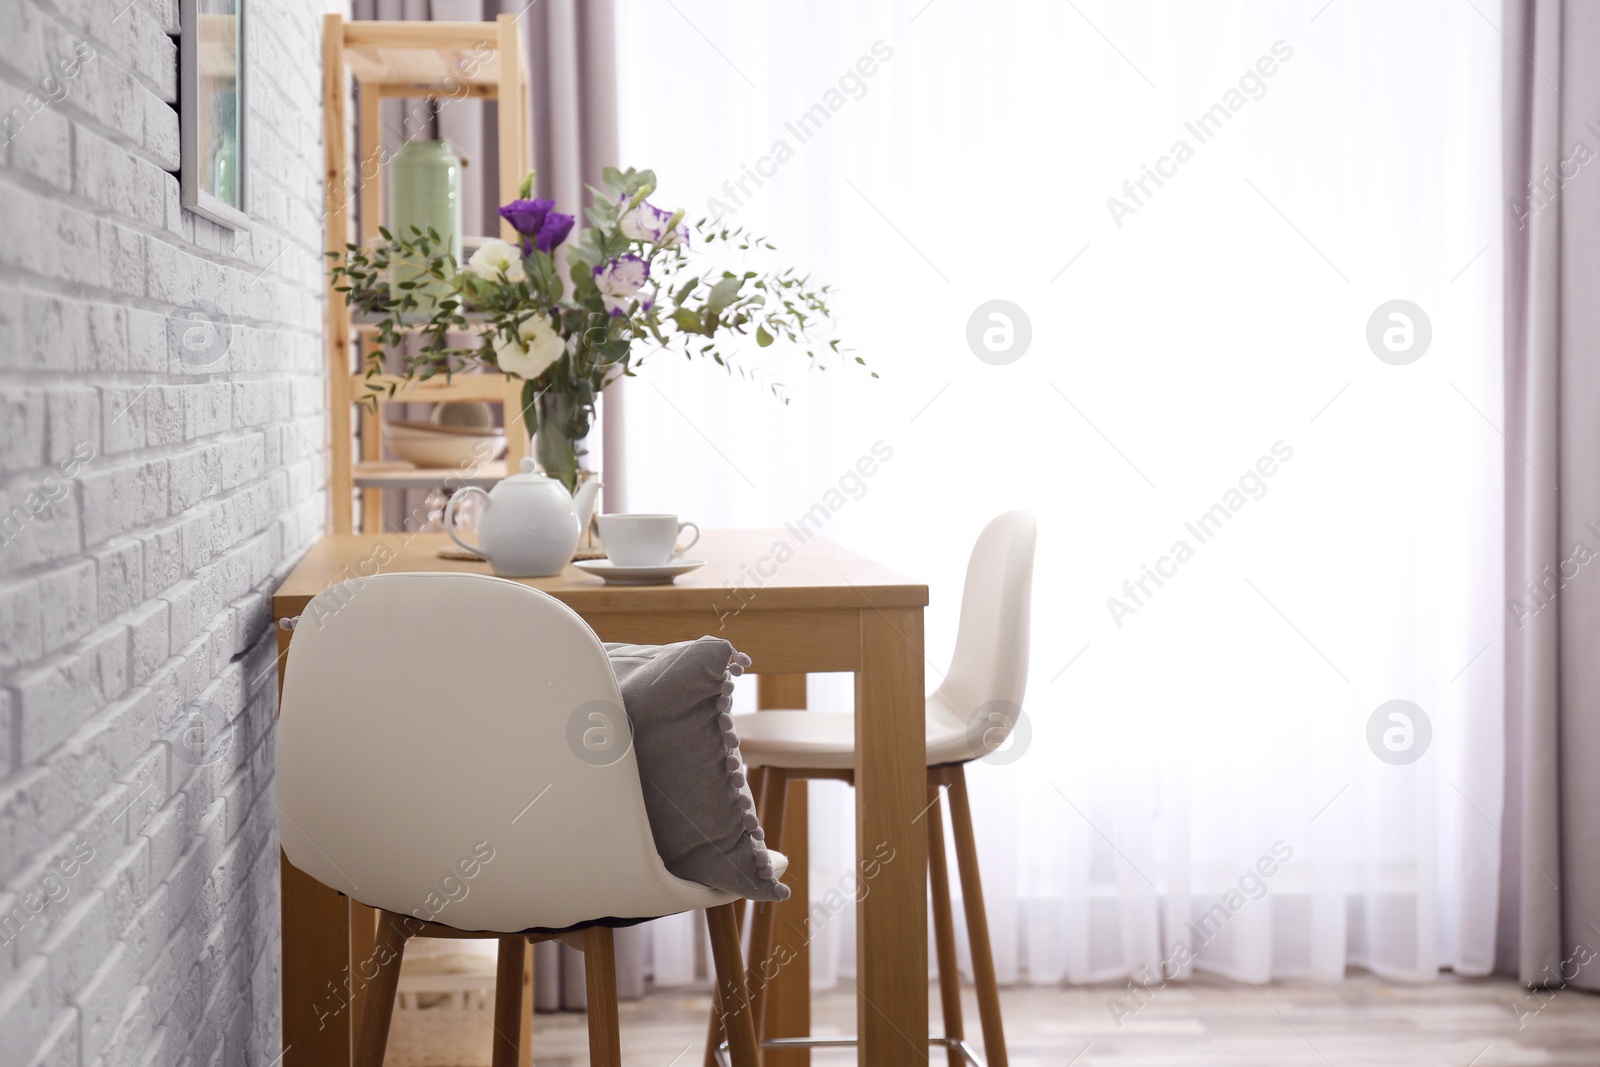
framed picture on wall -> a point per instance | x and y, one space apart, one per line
211 98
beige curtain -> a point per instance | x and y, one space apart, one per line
1550 876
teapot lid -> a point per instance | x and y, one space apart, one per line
530 475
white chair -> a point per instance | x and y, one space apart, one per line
429 721
969 716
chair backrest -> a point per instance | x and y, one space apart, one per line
454 747
988 675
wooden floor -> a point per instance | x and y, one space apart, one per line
1364 1021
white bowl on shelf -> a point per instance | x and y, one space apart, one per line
442 449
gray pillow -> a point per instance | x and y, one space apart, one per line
701 812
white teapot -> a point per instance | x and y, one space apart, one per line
528 523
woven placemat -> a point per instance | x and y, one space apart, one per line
451 552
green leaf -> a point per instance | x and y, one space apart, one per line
634 180
723 294
763 338
683 293
687 321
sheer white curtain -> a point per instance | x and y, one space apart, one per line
1205 743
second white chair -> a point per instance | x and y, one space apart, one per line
969 716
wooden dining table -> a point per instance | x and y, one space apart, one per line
796 604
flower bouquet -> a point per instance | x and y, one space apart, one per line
631 282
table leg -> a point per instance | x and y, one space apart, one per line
891 844
788 996
318 1010
318 1016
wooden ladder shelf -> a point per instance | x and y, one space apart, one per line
452 60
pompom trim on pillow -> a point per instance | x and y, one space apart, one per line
744 801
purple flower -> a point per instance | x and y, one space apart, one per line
527 216
553 231
541 226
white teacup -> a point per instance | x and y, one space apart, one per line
644 540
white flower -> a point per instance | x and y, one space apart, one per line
623 276
494 259
619 279
618 305
649 223
540 347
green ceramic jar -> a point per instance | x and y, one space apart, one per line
424 191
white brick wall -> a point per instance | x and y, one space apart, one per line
148 505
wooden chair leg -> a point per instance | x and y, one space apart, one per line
714 1034
944 927
526 1013
770 786
507 1047
389 948
994 1038
363 941
713 1028
734 996
763 924
600 981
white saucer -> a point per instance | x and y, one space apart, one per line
616 575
